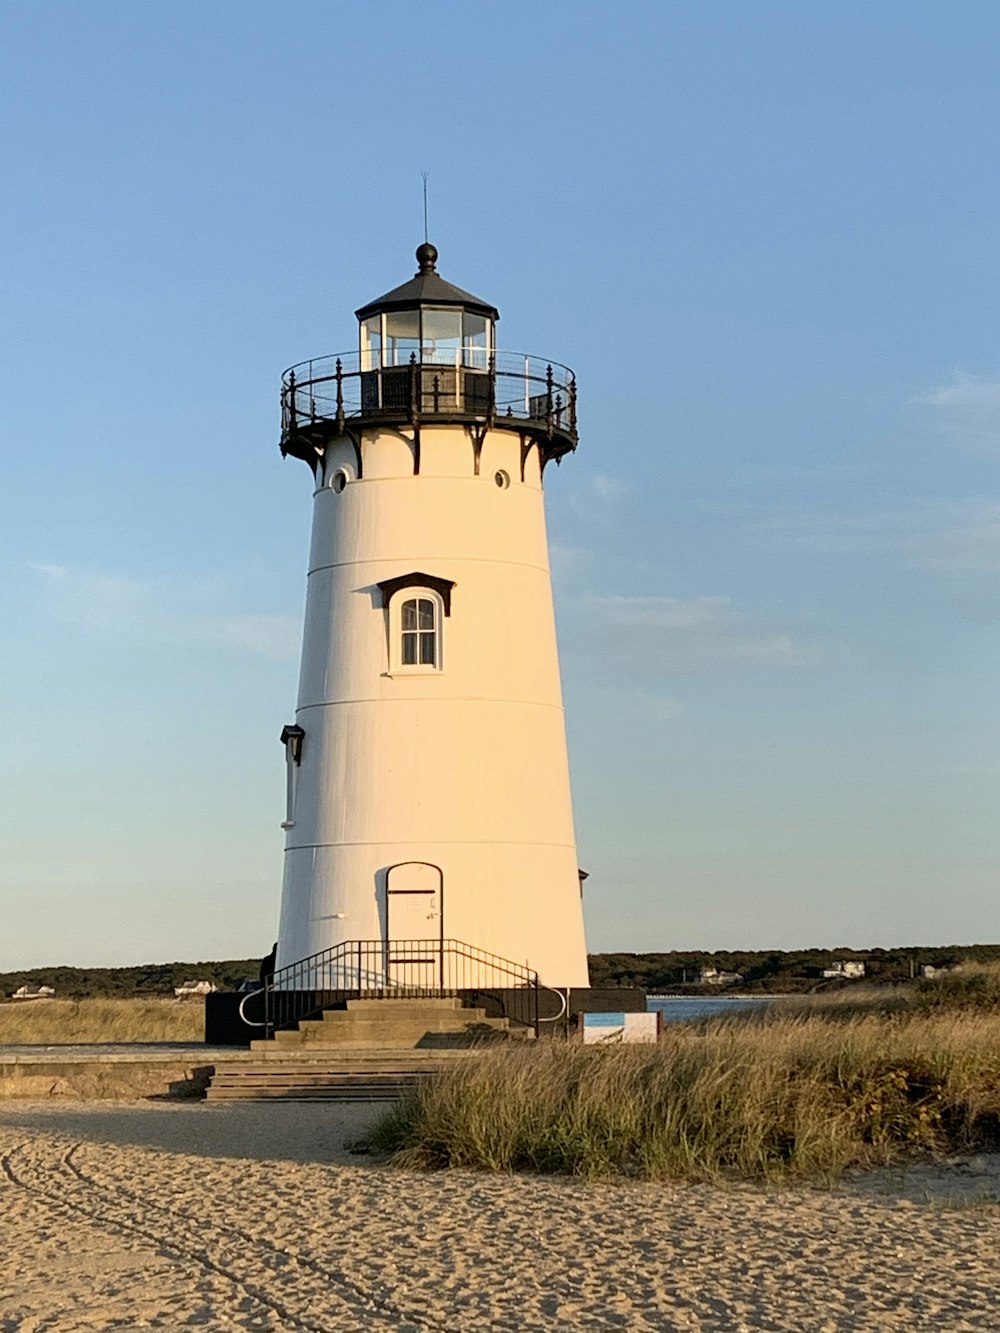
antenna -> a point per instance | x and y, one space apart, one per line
425 174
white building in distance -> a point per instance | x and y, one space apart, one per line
189 990
847 970
32 990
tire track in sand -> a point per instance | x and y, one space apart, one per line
53 1178
354 1294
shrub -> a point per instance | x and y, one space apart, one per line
796 1096
971 986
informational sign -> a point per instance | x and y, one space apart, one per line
618 1029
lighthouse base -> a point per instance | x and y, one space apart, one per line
224 1025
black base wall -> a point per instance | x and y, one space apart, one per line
224 1027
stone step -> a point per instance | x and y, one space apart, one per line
326 1070
337 1065
403 1014
334 1080
392 1024
442 1003
330 1081
331 1093
414 1041
332 1032
389 1037
315 1057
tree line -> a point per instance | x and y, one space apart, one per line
146 979
775 970
677 971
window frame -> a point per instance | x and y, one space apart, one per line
397 630
408 588
420 633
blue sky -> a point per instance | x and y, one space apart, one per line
765 237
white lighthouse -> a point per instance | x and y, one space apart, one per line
428 795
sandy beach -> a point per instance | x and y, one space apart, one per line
250 1217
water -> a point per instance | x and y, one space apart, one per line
683 1008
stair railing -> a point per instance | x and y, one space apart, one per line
395 969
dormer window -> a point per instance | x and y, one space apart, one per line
415 631
417 605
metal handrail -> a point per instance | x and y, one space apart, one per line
563 1005
333 391
372 969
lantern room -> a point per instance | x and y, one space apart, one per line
427 353
426 339
427 320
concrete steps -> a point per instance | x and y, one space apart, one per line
373 1050
358 1076
392 1025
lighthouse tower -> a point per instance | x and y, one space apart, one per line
428 794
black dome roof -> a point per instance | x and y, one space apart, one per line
427 287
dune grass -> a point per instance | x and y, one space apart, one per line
972 986
765 1096
53 1022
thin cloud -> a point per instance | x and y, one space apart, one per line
598 497
565 562
665 710
164 611
665 635
955 537
276 637
967 412
609 488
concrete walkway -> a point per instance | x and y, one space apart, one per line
145 1052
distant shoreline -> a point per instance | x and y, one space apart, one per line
729 995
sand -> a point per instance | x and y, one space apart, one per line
226 1217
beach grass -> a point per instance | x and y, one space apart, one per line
55 1022
765 1096
971 986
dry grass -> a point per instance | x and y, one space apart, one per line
54 1022
972 986
763 1097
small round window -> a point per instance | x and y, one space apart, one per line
339 480
502 479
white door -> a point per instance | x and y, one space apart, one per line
414 925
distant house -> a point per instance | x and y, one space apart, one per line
711 976
846 970
192 989
33 991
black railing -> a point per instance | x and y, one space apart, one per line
395 969
326 395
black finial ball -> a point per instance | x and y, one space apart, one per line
427 257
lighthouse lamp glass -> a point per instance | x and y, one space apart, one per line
435 336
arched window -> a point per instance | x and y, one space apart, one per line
419 632
417 605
